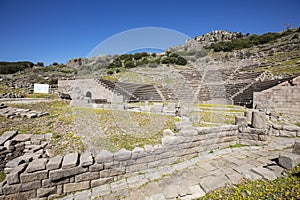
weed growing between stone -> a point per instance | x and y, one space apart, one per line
281 188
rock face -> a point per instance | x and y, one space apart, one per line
218 35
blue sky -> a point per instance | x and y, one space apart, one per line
58 30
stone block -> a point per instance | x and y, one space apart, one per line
138 167
72 187
156 108
168 132
210 183
111 165
45 192
258 120
136 181
21 195
13 176
35 176
101 191
289 160
122 155
112 172
83 195
30 186
104 157
54 163
248 115
241 121
188 132
296 148
291 128
70 160
101 181
169 140
86 159
138 152
49 183
7 135
196 191
65 173
22 137
119 185
182 125
147 159
11 189
264 172
96 167
37 165
87 176
285 133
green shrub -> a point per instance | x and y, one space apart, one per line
246 42
13 67
137 56
181 61
201 53
110 72
129 64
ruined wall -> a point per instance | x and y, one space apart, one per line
78 89
38 176
283 98
50 177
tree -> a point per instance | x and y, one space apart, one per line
40 64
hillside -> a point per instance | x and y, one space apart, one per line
228 58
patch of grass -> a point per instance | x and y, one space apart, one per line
2 176
297 124
280 188
122 129
236 146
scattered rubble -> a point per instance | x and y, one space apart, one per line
10 112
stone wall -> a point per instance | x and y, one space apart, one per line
283 98
36 175
78 89
50 177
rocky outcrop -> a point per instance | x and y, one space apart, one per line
218 36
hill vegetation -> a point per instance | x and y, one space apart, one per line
13 67
139 59
250 41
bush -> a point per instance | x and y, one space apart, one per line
181 61
201 53
129 64
137 56
110 72
153 65
13 67
246 42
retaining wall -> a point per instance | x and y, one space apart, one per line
38 176
283 98
50 177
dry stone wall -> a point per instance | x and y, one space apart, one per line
35 175
50 177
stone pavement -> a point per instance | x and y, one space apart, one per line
193 178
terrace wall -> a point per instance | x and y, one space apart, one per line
283 98
46 178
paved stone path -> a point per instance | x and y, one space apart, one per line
193 178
